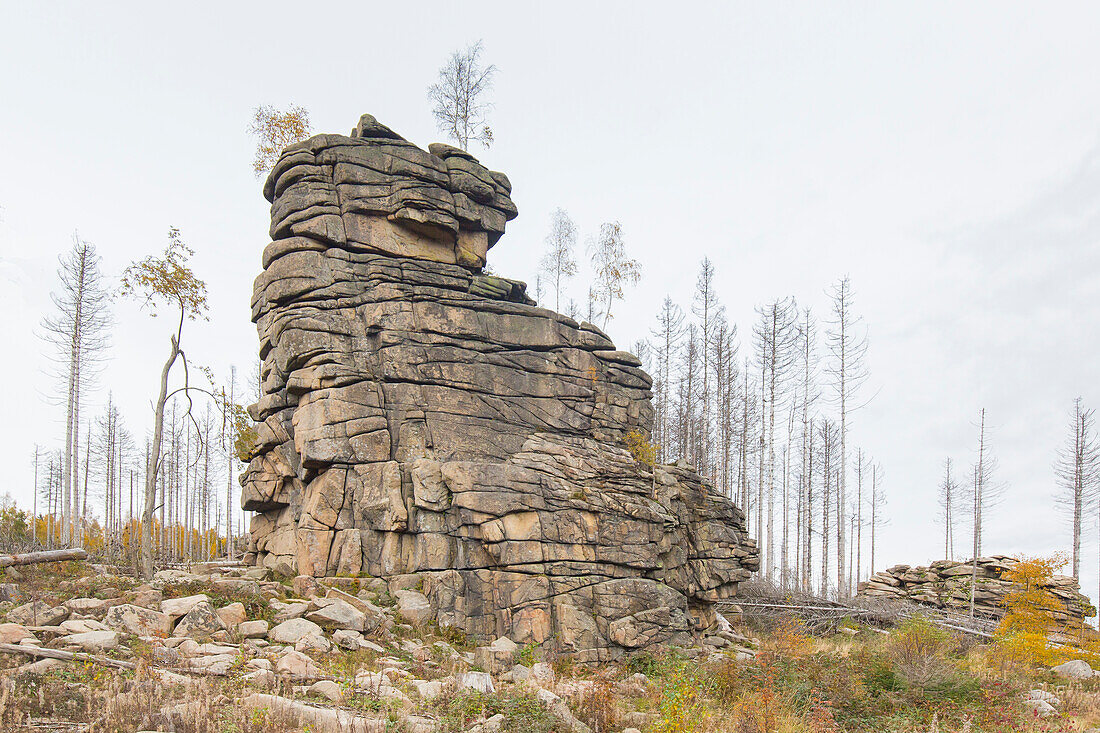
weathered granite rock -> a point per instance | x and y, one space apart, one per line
946 584
421 417
138 621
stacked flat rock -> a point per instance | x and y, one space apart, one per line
423 420
946 584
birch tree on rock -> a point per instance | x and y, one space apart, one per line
275 130
847 341
460 98
613 268
165 281
559 263
1078 472
77 333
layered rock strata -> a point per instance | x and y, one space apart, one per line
946 584
419 416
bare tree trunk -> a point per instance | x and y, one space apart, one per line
979 487
154 467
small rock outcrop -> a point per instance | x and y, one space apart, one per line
946 584
422 418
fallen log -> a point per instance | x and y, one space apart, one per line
36 651
30 558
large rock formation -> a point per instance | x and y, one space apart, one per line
946 584
420 416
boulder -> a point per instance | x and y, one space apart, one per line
498 657
201 622
37 613
252 629
338 614
313 643
1075 669
326 689
138 621
289 632
91 641
297 665
232 614
346 639
87 606
414 607
177 608
14 633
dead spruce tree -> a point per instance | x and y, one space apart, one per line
559 262
706 308
847 342
725 367
878 504
666 347
1078 470
775 340
948 500
77 333
807 393
459 96
169 281
985 493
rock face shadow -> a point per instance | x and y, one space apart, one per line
425 422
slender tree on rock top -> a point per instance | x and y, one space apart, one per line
559 263
985 493
274 130
949 506
460 98
613 268
167 280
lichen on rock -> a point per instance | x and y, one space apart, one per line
419 416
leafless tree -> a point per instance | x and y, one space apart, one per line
828 449
949 499
1078 470
612 267
559 262
77 333
706 308
775 339
857 521
686 425
460 98
878 504
847 342
985 493
725 364
806 398
666 346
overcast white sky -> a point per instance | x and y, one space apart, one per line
944 155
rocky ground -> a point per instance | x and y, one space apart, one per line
220 648
229 645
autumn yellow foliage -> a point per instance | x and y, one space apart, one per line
1023 635
643 450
